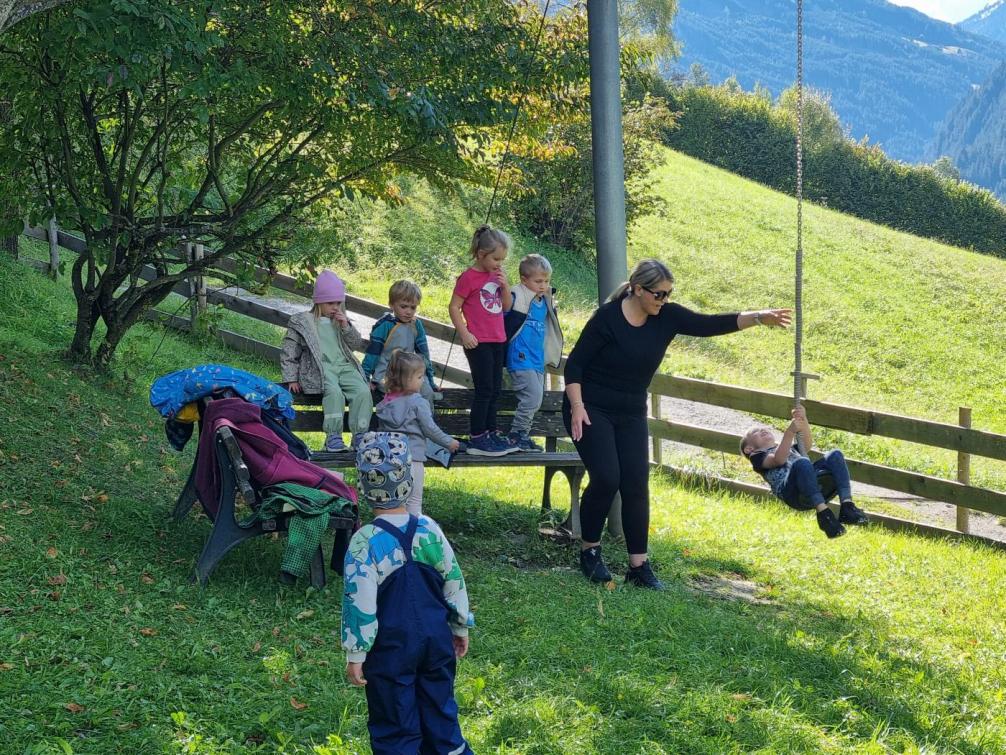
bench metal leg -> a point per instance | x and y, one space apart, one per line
318 570
339 547
546 496
225 533
575 478
187 497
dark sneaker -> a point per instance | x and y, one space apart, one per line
592 565
643 576
334 443
829 525
486 444
849 513
505 442
524 443
355 443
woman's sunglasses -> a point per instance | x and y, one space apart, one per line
657 295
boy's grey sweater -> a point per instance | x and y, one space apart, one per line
411 414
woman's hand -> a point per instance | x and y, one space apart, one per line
354 674
293 387
577 420
779 318
460 646
468 340
454 446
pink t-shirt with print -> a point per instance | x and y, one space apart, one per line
482 305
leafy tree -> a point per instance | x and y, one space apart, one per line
944 167
821 125
142 123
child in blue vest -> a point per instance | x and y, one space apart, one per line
535 340
405 614
399 329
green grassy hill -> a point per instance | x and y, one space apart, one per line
892 322
874 643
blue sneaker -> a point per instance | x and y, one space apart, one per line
524 443
486 444
334 443
506 442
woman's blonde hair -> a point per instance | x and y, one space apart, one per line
646 273
403 365
488 239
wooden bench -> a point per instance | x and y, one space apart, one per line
235 481
452 415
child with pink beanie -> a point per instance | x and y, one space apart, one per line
317 357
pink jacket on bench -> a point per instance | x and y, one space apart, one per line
268 459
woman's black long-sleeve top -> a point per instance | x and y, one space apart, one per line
614 361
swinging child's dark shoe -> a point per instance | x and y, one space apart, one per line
849 513
829 525
592 565
643 576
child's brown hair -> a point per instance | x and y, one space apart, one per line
404 290
402 366
487 239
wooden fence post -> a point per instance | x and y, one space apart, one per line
200 280
190 253
53 248
964 471
658 451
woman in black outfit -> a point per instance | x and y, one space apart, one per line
607 375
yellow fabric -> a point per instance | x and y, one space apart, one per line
188 413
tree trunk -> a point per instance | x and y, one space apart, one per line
9 245
87 318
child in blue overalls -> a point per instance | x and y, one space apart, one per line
405 614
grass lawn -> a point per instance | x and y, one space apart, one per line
874 643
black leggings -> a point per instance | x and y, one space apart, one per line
615 450
486 363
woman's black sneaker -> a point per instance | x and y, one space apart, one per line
849 513
643 576
592 565
829 525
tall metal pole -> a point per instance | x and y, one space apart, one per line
606 145
609 166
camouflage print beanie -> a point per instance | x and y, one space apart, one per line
385 469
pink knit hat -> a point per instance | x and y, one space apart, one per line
329 287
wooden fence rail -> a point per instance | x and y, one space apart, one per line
961 438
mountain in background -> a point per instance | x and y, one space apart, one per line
892 72
974 135
990 21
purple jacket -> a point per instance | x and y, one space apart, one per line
266 454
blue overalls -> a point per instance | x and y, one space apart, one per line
410 669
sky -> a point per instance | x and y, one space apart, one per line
945 10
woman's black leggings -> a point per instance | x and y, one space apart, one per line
486 364
615 450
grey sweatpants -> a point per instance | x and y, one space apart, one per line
529 385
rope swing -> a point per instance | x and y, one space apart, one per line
799 377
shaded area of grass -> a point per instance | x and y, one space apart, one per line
873 643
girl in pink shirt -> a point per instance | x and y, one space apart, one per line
481 296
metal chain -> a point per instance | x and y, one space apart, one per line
798 379
506 154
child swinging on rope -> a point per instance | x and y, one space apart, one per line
796 480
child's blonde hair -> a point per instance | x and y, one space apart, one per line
534 263
402 366
646 273
404 290
316 309
487 239
747 437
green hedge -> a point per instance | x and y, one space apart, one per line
749 135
